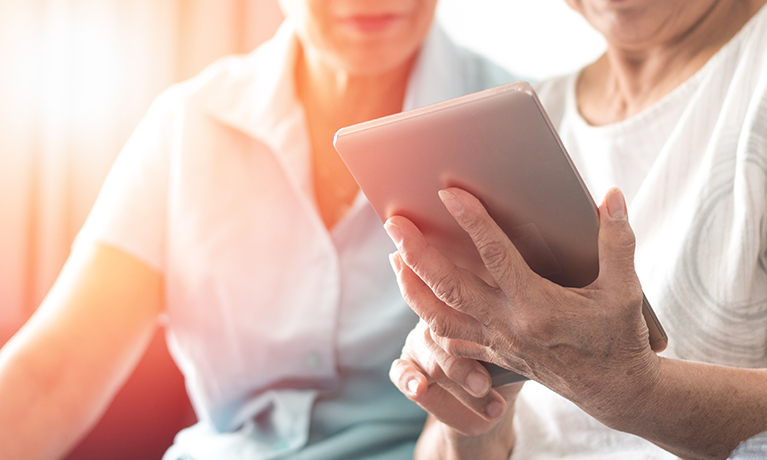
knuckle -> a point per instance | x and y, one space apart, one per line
628 241
627 233
496 255
443 327
395 371
622 239
434 369
474 222
451 367
456 348
447 289
493 252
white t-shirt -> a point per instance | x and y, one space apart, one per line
694 169
284 331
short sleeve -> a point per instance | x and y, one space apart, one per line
131 210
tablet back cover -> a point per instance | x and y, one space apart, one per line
497 144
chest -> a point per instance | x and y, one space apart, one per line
259 290
697 204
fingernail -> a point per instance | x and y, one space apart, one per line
412 386
616 204
395 262
478 383
494 410
394 232
451 202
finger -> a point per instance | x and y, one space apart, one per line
616 243
454 286
441 403
461 348
447 321
422 361
408 378
441 400
500 256
468 373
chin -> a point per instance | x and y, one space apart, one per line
371 60
370 67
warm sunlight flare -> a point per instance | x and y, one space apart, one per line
326 229
80 65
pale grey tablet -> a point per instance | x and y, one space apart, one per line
499 145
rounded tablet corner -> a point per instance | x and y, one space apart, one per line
525 87
335 138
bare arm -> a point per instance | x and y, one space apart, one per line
61 370
589 345
698 410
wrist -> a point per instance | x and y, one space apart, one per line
446 443
634 397
493 445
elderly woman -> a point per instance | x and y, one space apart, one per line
229 215
675 114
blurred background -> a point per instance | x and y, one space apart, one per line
75 78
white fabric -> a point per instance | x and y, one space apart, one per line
284 331
695 170
754 448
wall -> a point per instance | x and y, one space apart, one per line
537 39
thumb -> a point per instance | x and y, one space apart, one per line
616 241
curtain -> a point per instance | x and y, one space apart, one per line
76 76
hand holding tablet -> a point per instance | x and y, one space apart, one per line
499 145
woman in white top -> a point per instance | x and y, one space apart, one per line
675 114
229 215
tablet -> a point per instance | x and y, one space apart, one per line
499 145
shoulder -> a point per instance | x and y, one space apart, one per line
221 80
223 73
224 85
740 70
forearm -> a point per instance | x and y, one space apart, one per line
55 386
698 411
59 372
40 400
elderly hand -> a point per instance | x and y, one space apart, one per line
590 344
456 392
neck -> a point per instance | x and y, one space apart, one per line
626 81
333 98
